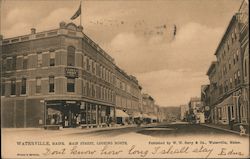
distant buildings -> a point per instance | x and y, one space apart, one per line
184 112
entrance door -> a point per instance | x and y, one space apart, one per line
229 113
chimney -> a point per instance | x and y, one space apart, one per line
33 30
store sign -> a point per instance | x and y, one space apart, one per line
71 72
207 108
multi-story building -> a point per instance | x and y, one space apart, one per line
127 91
213 93
148 105
205 101
194 105
244 41
61 76
229 85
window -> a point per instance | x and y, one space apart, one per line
70 85
71 56
229 64
39 59
88 65
93 90
231 82
83 87
234 58
245 70
238 76
235 78
9 63
13 87
228 43
237 55
93 67
14 63
38 84
52 59
25 62
23 86
88 89
51 84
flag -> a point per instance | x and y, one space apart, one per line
77 13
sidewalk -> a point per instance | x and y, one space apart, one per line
226 128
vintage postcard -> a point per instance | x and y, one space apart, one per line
124 78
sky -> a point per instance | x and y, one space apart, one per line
139 35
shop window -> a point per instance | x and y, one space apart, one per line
70 85
23 86
25 62
71 56
51 84
13 87
232 112
38 84
39 59
52 59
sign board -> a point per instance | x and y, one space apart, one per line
71 72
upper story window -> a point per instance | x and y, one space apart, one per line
52 59
229 64
14 63
234 58
71 56
25 62
237 55
39 59
13 87
9 63
87 63
51 84
93 67
245 69
70 85
23 86
38 84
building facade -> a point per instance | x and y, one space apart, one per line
61 76
229 75
184 112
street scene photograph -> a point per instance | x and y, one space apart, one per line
124 79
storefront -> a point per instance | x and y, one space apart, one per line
70 113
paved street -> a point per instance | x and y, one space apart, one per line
162 130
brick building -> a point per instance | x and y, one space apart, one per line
61 76
229 85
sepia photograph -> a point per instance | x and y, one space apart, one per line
124 79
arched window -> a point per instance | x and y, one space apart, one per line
71 56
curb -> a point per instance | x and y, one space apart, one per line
231 131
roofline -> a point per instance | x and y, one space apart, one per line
233 19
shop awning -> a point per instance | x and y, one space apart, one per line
145 116
153 117
137 115
120 113
225 102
